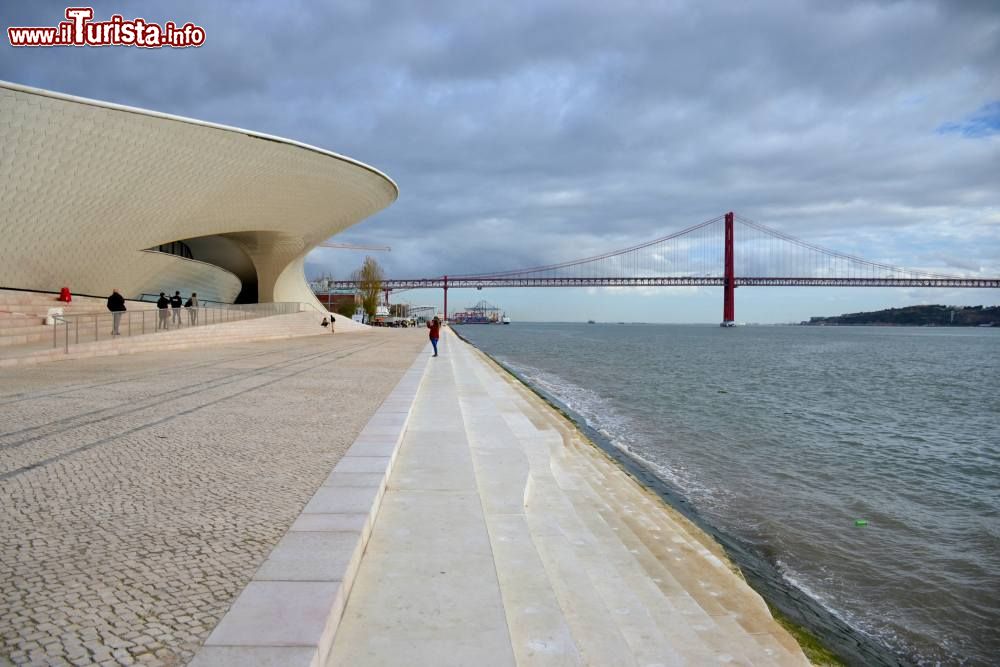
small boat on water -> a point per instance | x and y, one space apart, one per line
591 322
505 319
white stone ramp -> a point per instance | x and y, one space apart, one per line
505 539
427 590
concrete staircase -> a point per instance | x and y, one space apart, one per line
620 573
501 508
22 314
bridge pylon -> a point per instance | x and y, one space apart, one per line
729 286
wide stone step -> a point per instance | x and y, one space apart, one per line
677 561
634 520
666 599
41 302
554 614
539 632
599 640
17 320
686 600
640 614
702 573
14 339
649 626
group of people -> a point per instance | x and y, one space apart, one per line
165 306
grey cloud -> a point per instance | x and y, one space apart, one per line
528 132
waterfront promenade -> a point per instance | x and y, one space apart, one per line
150 502
504 538
140 493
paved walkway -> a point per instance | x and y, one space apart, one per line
139 494
504 539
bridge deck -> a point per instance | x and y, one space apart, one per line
673 281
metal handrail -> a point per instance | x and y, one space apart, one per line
93 327
56 321
316 308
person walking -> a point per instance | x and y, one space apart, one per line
116 304
175 306
192 306
435 333
162 313
333 321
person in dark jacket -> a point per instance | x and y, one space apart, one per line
116 304
435 333
162 304
175 305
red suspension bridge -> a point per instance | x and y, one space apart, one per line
728 251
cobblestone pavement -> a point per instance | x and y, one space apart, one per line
139 494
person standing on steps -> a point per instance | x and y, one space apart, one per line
435 333
161 310
116 304
175 305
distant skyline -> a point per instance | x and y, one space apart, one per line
524 133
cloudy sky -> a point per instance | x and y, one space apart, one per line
523 133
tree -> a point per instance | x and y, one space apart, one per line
346 308
369 278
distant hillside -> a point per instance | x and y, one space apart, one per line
939 316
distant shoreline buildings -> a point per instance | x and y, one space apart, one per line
931 316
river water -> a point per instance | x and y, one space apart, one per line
779 439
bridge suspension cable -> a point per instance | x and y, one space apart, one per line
632 263
752 254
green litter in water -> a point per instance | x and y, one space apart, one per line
861 522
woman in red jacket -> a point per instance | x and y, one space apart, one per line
435 327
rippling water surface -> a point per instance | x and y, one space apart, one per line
782 437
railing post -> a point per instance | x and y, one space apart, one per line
95 328
76 328
66 337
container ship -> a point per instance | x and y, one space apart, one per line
481 313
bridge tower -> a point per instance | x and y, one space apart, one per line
728 299
446 298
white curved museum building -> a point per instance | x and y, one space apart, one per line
96 196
